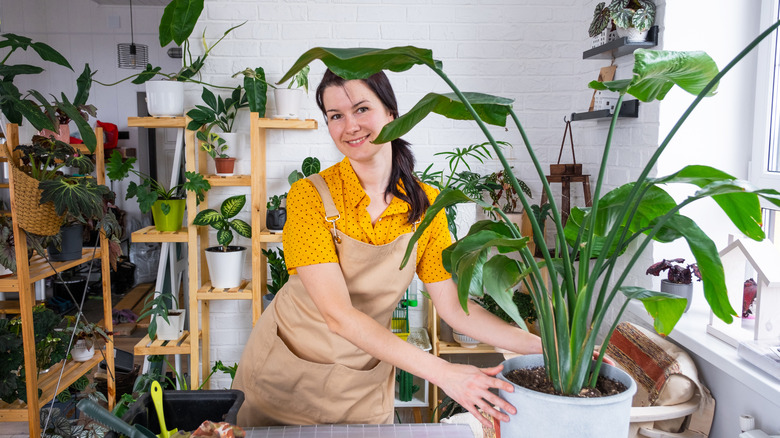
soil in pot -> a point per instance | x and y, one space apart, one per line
536 379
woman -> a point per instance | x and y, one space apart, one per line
322 352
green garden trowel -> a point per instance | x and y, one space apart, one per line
103 416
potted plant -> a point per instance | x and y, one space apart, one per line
214 145
467 181
167 206
679 280
588 273
225 262
309 166
66 202
166 320
276 214
84 334
279 274
632 18
288 100
256 89
32 106
165 98
219 113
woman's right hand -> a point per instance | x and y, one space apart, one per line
470 387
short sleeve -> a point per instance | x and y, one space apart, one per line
429 266
306 238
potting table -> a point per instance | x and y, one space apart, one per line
422 430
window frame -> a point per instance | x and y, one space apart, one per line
767 105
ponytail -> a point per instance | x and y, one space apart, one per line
403 169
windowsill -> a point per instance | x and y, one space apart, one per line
691 334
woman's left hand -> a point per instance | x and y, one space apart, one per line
470 387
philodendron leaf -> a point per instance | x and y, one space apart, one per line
47 53
310 166
178 21
362 62
657 71
491 109
118 167
666 309
232 206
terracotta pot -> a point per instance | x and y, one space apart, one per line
224 166
62 135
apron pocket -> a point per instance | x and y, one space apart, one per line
367 394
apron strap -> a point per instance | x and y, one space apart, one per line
331 212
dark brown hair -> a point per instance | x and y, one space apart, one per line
403 159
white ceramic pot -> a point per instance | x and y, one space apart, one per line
80 352
681 290
633 35
463 340
553 416
225 268
174 328
165 98
288 102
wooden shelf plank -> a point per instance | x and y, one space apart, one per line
40 269
148 347
157 122
151 234
287 123
228 181
267 236
243 292
17 411
455 348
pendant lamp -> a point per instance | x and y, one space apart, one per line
132 55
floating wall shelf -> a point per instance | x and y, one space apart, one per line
621 46
630 108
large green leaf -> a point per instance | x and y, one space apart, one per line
706 254
87 134
224 237
241 228
83 85
256 90
362 62
500 275
178 20
657 71
47 53
491 109
81 197
666 309
9 71
208 216
232 206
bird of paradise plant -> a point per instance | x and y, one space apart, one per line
588 271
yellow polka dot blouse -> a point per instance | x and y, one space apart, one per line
308 240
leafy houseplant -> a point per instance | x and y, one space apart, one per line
590 270
634 17
33 106
165 315
276 215
309 166
216 146
217 112
288 100
225 262
279 274
151 193
679 280
257 88
85 335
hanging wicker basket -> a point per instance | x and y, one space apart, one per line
33 217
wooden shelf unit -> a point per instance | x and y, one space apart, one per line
200 290
23 283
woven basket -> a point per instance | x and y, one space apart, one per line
33 217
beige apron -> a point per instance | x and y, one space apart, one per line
294 370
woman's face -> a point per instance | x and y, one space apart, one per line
355 117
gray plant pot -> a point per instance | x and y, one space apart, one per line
681 290
552 416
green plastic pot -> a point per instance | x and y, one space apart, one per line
172 220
